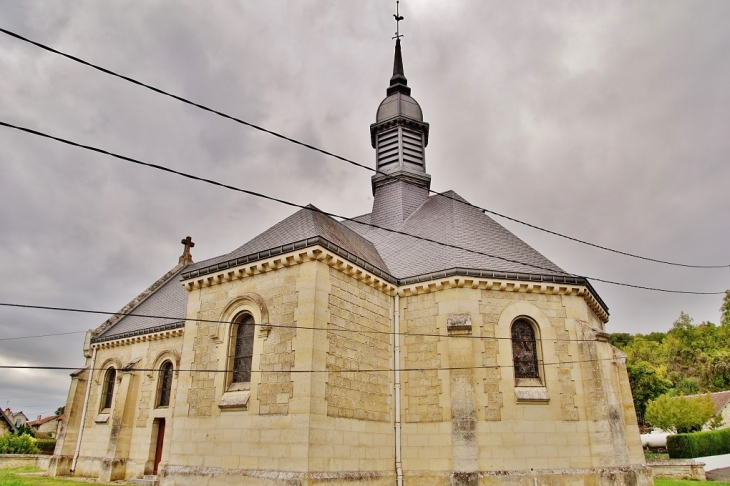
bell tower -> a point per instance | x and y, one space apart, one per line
399 134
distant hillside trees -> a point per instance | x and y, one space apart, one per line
687 360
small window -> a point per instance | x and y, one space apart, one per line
242 334
164 385
524 350
108 393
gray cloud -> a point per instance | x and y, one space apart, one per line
605 121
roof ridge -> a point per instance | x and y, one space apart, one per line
403 223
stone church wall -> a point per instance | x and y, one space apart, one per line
581 417
359 339
295 420
117 444
319 407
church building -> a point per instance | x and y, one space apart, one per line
419 344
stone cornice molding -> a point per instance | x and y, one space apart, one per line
288 251
416 178
316 253
142 335
398 120
506 285
319 248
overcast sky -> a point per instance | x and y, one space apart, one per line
607 121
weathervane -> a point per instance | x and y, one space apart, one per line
398 18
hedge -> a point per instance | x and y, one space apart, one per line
699 444
46 445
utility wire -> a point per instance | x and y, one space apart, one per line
278 326
361 332
361 370
16 338
334 215
343 159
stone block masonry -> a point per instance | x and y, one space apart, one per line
356 308
422 383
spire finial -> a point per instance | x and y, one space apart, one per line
398 18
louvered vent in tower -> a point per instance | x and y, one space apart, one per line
387 150
412 148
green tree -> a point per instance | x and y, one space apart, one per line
715 370
620 339
725 310
687 385
682 414
646 384
59 411
24 430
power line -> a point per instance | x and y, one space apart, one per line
278 326
282 326
341 158
41 335
360 370
334 215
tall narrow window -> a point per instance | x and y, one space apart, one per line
108 394
242 334
524 350
164 385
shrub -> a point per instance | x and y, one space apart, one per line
699 444
46 445
682 414
18 444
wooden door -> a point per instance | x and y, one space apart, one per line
160 440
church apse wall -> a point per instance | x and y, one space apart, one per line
475 416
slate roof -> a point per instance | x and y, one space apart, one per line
304 224
449 221
440 218
169 300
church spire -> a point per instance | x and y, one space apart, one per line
399 137
398 82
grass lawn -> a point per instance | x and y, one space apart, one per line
676 482
24 477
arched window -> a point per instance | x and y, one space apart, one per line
164 385
108 391
524 350
242 333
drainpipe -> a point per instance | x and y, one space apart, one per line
396 348
83 411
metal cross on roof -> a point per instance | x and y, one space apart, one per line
398 18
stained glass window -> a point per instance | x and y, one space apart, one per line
165 384
243 349
524 350
109 378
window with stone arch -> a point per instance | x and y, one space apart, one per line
525 350
107 394
241 354
164 384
